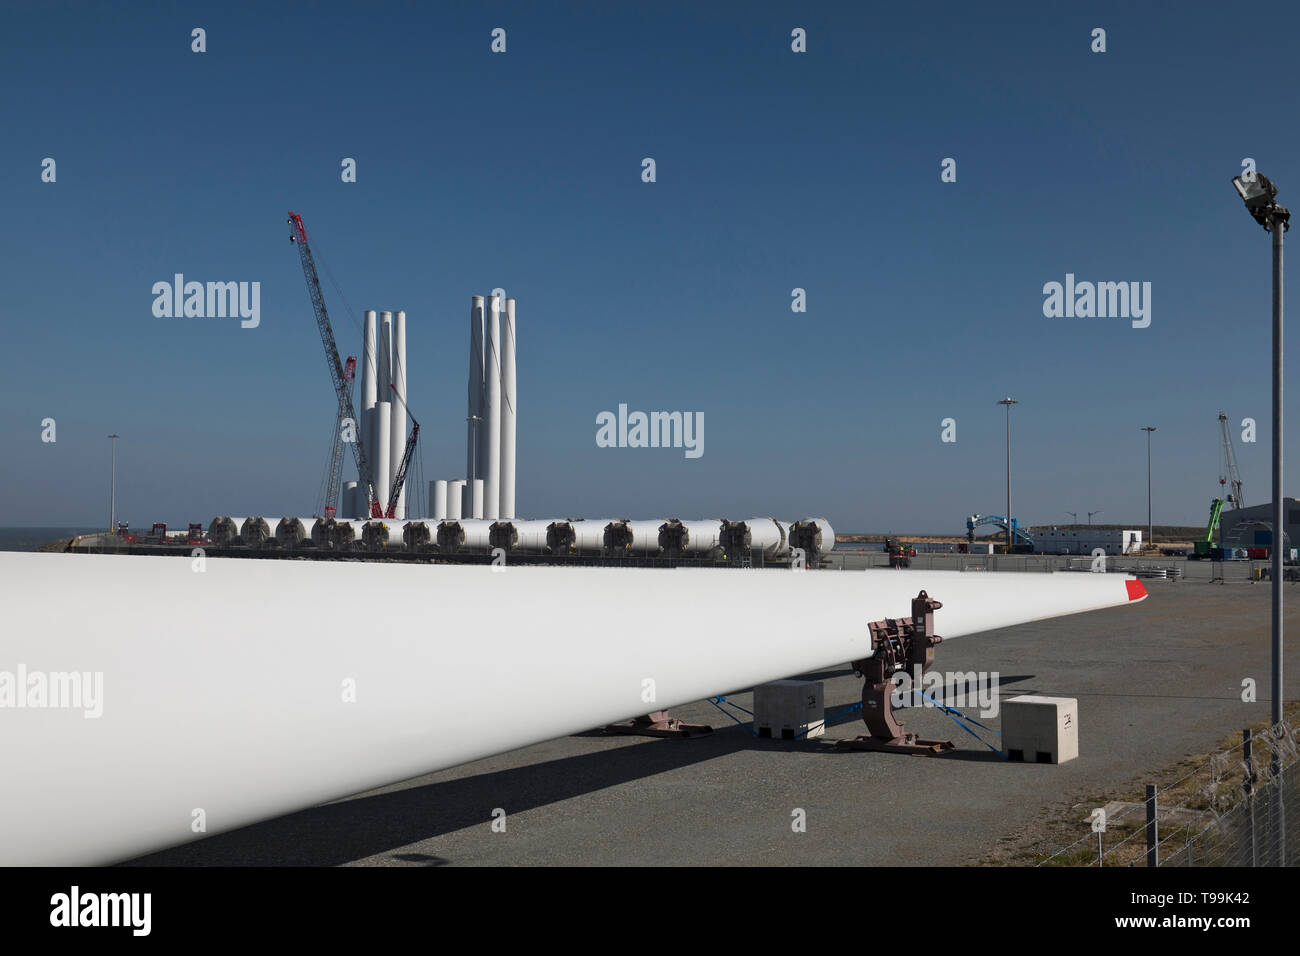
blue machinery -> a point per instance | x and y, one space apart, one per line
975 521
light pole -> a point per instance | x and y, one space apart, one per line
1259 194
1008 402
1150 536
1090 514
112 490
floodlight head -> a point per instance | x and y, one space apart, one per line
1259 194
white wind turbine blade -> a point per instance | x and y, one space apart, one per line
226 691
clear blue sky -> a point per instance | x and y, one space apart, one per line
522 170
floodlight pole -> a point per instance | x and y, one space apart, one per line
1008 402
1150 533
1260 196
1279 535
112 490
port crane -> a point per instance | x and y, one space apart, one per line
342 377
1232 495
1233 481
342 380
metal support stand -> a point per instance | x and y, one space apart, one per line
898 644
659 724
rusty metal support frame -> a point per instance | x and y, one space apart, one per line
897 644
659 724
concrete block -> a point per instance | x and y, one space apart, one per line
788 709
1040 729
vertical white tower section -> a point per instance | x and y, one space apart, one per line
385 358
383 434
508 413
369 388
438 499
383 419
397 442
474 413
492 377
475 493
455 499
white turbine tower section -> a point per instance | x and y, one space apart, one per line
473 500
508 413
382 435
383 420
466 534
492 381
438 499
351 499
293 532
397 442
433 703
369 392
384 358
474 413
455 500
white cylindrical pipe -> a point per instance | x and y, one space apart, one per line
383 435
466 534
223 532
455 499
319 531
420 535
350 506
369 390
476 499
438 499
756 534
397 442
814 535
576 536
696 538
433 703
632 537
492 441
508 404
256 531
383 535
293 532
339 535
474 394
519 537
383 420
372 457
384 358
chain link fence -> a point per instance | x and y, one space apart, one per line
1239 808
1173 568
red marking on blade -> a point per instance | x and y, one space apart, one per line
1136 591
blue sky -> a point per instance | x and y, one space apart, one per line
522 170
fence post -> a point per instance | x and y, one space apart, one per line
1248 785
1153 853
1279 817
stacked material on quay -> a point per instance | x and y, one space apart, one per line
621 537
